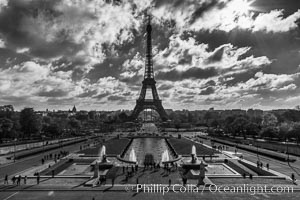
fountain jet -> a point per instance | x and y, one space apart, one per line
165 156
194 154
132 156
102 154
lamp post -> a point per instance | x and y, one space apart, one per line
257 152
287 150
43 144
15 140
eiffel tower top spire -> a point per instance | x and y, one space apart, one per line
149 62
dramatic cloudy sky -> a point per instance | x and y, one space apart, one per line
207 53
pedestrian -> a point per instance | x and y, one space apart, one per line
293 177
268 166
19 179
6 179
25 180
13 179
261 164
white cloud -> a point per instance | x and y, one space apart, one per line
3 3
234 14
274 21
29 78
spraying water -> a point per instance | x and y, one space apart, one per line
102 153
194 151
132 156
165 156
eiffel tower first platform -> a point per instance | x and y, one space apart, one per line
149 83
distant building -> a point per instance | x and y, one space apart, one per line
74 110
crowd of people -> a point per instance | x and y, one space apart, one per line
16 180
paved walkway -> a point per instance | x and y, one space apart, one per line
280 166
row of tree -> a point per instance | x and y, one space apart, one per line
28 124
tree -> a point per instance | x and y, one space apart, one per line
5 127
30 122
239 125
294 132
269 120
207 117
227 124
6 111
215 123
252 128
123 117
269 132
75 124
284 129
52 130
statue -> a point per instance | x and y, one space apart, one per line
96 170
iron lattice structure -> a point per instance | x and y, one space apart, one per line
149 83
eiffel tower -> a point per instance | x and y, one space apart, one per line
149 83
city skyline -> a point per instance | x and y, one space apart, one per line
56 54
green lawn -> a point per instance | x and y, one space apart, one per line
113 147
184 147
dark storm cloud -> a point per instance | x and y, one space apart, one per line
289 6
216 56
127 94
165 87
137 79
206 6
116 98
12 28
10 58
89 93
109 67
15 99
52 93
192 73
282 48
60 101
233 79
186 58
207 91
165 94
201 6
261 41
210 83
101 96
